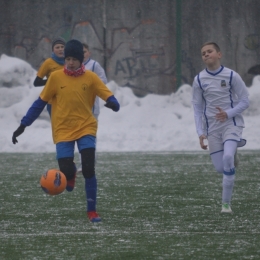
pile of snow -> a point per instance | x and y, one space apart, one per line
151 123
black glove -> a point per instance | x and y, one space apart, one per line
39 82
17 132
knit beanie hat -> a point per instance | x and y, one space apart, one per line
58 40
74 48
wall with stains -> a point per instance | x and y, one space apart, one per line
135 41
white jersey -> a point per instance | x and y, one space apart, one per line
96 68
223 88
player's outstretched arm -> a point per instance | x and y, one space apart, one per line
32 114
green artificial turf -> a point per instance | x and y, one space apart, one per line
152 205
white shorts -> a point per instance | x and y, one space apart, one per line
217 139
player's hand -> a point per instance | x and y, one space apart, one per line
112 103
203 144
17 132
221 115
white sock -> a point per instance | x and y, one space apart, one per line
228 184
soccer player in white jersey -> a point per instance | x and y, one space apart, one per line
95 67
219 96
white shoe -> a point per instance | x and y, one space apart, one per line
226 208
79 170
236 160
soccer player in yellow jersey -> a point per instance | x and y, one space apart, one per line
73 92
56 62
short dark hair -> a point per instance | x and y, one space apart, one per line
85 45
216 47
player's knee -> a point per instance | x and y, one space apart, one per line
219 168
88 162
67 166
228 161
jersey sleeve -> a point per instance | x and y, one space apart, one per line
239 86
240 89
43 70
49 91
198 111
33 112
197 102
101 90
196 92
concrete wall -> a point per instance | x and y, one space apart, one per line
136 40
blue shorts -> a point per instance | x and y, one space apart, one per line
66 149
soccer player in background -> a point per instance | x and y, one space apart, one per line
73 91
219 96
56 62
95 67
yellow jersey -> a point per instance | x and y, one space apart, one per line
48 66
72 102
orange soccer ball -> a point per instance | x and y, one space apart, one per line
53 182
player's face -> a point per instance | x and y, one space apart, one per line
210 56
72 63
86 54
58 50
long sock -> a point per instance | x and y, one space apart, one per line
91 193
228 184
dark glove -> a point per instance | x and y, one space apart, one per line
39 82
17 132
112 103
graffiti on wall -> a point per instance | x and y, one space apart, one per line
134 57
140 62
